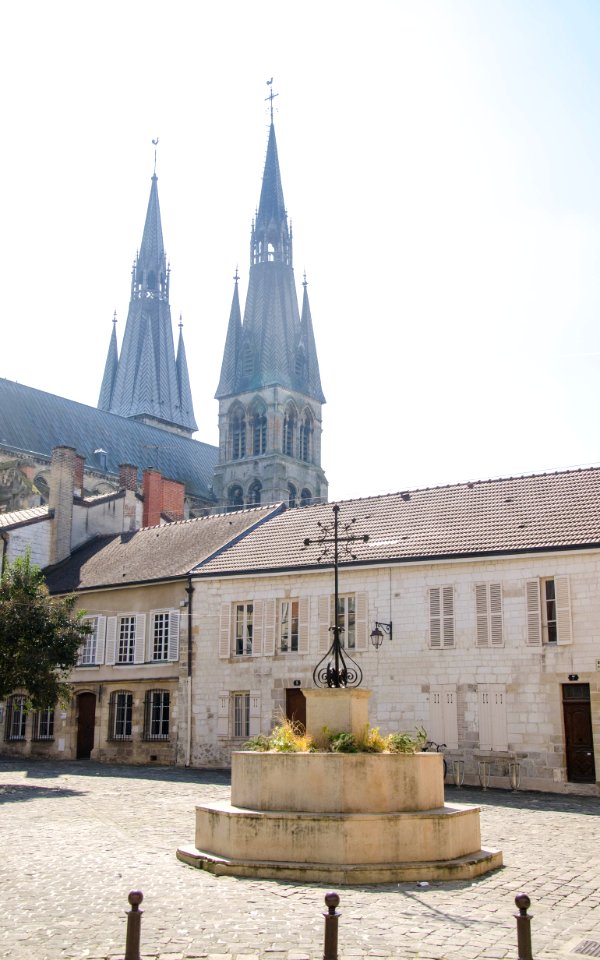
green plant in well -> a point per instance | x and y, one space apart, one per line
406 742
289 736
343 743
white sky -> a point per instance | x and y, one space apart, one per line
440 166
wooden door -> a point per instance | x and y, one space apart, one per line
295 705
86 722
579 743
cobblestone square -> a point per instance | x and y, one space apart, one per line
77 837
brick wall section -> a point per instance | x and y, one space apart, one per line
152 498
62 482
173 499
128 477
78 475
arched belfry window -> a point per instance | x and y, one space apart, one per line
292 495
305 497
289 431
306 433
237 433
255 493
259 430
235 496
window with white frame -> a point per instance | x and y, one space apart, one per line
549 611
16 717
92 649
126 640
238 714
241 714
243 627
157 705
352 620
43 724
441 617
164 635
493 733
289 622
488 611
120 715
346 619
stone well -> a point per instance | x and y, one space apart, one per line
339 818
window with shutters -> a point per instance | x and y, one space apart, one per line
87 652
243 629
352 619
126 640
164 635
346 619
238 714
441 617
43 724
16 717
289 626
488 611
493 733
443 715
120 714
549 611
241 714
157 704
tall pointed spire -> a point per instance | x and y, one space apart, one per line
110 369
307 364
146 383
232 345
183 380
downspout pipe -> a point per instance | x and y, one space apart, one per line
188 747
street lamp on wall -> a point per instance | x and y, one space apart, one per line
377 633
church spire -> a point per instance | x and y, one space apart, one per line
147 381
110 369
232 345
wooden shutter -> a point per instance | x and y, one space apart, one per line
258 614
225 631
534 613
324 634
499 729
450 715
303 624
435 730
448 616
435 625
481 610
223 715
362 618
174 628
139 643
562 592
270 623
485 717
100 638
111 640
496 627
254 713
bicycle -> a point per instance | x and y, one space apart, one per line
438 748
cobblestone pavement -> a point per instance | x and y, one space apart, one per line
77 837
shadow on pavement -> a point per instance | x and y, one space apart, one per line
15 793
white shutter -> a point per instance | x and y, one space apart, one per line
496 631
435 730
435 631
174 627
100 639
139 648
448 615
225 631
499 729
270 622
150 637
324 634
481 611
257 627
303 624
450 714
562 592
485 717
362 618
254 713
534 613
111 640
223 715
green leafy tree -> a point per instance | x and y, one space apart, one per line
40 636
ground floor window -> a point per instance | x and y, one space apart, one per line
43 724
16 717
241 714
120 712
156 714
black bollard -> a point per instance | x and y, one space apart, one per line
134 926
523 927
330 950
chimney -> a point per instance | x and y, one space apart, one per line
152 498
78 475
63 471
128 477
173 497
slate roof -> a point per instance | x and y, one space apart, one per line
153 553
21 518
491 517
33 422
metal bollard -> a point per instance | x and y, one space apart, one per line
523 927
330 950
134 926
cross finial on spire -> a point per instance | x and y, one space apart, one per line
305 281
180 322
237 276
155 142
114 319
271 96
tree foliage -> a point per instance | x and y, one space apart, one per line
40 636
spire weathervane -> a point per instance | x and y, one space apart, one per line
271 96
155 142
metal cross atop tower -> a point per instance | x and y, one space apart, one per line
271 96
333 670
